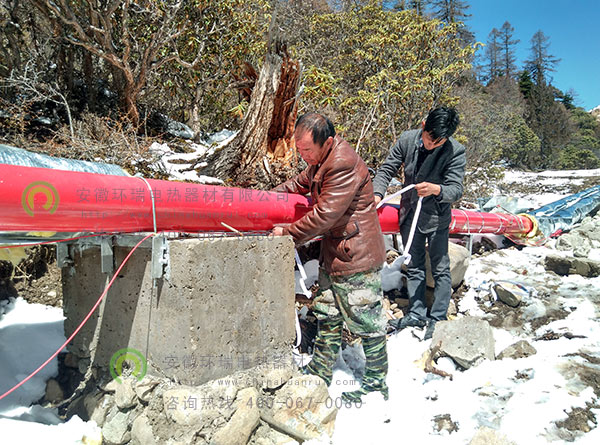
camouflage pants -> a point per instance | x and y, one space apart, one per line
354 299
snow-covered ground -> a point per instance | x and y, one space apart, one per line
29 334
182 166
489 395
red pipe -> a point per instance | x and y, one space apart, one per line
41 199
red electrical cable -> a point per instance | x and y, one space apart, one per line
82 323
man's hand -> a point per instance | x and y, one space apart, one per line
277 231
377 199
427 189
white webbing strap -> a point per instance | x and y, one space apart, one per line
394 195
152 200
405 257
306 292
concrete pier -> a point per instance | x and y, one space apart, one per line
224 305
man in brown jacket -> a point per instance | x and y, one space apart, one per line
352 250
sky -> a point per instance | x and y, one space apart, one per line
574 38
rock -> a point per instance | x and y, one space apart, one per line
71 361
508 293
144 388
557 264
276 438
97 407
568 265
517 350
488 436
83 364
189 407
445 423
125 396
276 376
303 405
141 431
116 429
52 294
459 261
582 250
54 392
580 239
466 340
243 422
452 309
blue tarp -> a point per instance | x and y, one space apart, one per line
567 212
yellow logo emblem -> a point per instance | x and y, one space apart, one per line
44 188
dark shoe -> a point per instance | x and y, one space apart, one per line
410 321
430 329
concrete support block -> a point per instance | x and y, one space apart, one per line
227 305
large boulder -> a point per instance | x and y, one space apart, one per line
520 349
246 418
459 261
569 266
467 340
303 405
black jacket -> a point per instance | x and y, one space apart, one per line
445 166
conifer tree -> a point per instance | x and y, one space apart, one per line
418 5
492 51
507 49
541 62
454 11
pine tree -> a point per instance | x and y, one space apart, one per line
525 84
418 5
453 11
507 48
541 62
492 52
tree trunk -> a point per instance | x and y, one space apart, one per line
130 101
90 81
263 148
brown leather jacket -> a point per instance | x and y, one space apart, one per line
343 211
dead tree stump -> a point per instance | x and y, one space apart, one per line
263 152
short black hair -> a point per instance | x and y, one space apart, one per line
441 123
320 127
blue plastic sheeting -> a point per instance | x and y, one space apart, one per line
18 156
567 212
505 204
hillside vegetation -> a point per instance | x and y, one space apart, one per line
103 79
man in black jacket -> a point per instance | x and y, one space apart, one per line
435 163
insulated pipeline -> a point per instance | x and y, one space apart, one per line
41 199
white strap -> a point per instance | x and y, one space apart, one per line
405 258
303 275
412 231
306 292
392 196
153 203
